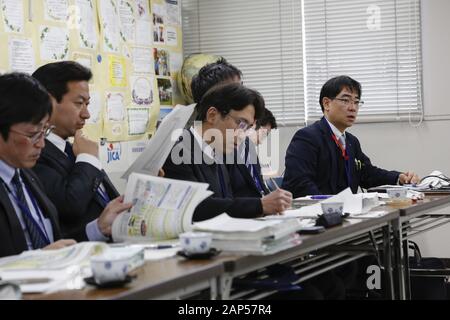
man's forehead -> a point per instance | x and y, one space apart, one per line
346 91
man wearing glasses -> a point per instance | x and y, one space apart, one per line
72 174
325 159
28 219
224 113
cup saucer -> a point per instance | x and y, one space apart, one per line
109 284
206 255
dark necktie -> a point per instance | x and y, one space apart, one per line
252 170
37 238
69 151
223 185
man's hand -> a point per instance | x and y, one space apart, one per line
81 144
276 202
408 177
109 214
60 244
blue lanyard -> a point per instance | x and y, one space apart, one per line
24 208
104 196
255 176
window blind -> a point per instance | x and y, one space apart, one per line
263 38
378 43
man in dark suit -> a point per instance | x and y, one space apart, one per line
72 175
224 113
325 159
245 173
28 219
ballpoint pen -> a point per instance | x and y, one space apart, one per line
320 197
274 183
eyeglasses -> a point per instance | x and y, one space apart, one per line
242 124
38 135
347 102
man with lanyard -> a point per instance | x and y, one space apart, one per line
72 174
224 112
325 159
245 173
28 219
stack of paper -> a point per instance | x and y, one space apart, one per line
354 204
251 236
48 270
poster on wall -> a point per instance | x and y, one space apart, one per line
141 90
172 9
138 119
161 59
56 10
13 15
53 43
127 21
109 18
165 91
21 55
86 24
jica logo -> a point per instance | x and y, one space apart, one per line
114 152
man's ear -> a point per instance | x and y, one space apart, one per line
326 103
212 115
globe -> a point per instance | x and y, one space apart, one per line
191 65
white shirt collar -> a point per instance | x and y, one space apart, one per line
6 172
59 142
206 148
335 130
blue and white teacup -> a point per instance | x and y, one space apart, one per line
195 242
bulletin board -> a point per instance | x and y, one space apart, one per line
133 47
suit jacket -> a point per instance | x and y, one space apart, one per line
72 188
195 168
12 238
241 179
312 163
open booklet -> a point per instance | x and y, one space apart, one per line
161 143
163 208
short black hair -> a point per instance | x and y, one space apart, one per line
332 87
22 99
229 96
266 119
55 76
211 75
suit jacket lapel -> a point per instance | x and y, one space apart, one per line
51 151
112 191
47 208
14 223
351 155
331 145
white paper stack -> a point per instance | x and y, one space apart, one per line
251 236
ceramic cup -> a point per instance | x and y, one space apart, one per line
332 207
195 242
397 193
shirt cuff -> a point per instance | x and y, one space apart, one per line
93 232
89 158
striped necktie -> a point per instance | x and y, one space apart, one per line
34 231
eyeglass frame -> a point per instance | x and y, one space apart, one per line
347 101
43 133
242 124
